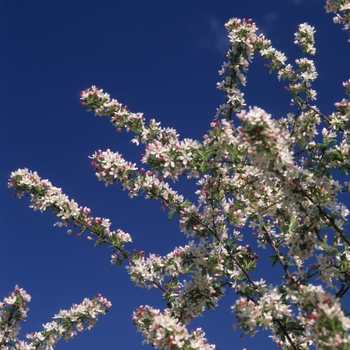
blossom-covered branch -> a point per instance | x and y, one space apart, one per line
67 323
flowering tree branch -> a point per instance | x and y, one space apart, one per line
13 310
274 176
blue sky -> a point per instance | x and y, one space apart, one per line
160 58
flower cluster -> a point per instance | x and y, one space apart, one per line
321 314
165 332
305 38
111 167
342 11
244 43
13 309
266 140
67 322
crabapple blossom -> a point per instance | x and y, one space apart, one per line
342 11
164 332
305 38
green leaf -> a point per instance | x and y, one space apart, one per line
171 214
292 223
284 228
233 152
274 258
203 167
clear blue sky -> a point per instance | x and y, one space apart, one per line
160 58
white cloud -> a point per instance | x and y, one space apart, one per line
267 24
216 38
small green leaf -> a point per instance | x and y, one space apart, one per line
203 167
274 258
171 214
292 223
